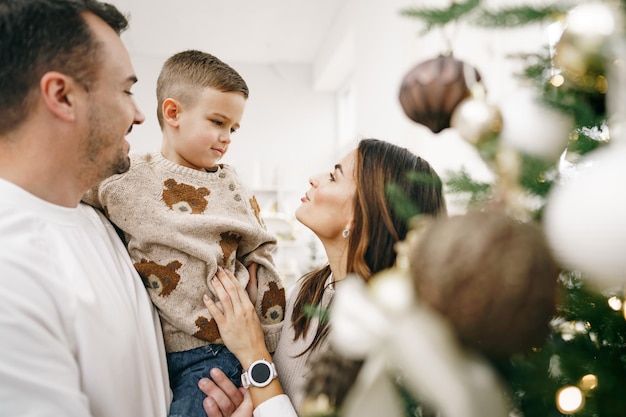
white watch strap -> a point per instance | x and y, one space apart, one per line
259 374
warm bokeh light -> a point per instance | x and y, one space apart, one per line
615 303
557 80
602 84
588 383
570 400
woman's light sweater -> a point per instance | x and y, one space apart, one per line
293 369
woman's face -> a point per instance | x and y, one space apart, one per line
327 208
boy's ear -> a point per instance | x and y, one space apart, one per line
171 111
58 93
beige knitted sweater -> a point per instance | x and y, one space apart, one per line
179 225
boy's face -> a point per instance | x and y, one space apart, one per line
205 128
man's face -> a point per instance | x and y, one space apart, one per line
112 110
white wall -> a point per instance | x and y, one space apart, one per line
379 46
291 127
287 132
301 118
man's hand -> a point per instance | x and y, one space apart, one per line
224 399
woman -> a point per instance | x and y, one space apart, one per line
350 212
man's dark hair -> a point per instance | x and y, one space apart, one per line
37 36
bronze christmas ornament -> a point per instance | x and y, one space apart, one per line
432 90
493 277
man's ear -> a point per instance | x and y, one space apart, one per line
171 110
58 94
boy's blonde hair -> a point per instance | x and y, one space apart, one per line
187 72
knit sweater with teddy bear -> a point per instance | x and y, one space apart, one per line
179 225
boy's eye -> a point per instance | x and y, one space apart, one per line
218 122
233 130
130 93
332 177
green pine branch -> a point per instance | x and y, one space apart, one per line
587 339
433 17
517 16
472 12
462 183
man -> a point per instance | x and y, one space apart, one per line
79 334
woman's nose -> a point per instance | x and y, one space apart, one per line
313 182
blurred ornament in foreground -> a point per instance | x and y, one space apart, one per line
493 277
584 217
583 49
410 345
532 127
431 90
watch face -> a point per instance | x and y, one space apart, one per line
260 372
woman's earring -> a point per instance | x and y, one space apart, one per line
345 233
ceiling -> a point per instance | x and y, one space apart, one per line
247 31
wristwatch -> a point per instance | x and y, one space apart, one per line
259 374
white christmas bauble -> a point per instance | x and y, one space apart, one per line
585 221
532 127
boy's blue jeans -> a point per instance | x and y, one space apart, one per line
188 367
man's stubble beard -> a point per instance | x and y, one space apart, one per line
98 142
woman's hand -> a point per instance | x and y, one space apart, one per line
237 319
224 399
241 332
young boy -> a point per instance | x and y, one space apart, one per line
183 215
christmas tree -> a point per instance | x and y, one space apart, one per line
579 369
557 150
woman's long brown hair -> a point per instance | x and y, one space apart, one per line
377 225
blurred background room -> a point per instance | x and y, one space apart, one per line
322 74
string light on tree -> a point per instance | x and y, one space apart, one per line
615 303
588 383
570 400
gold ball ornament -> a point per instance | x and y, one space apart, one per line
476 120
583 50
431 90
